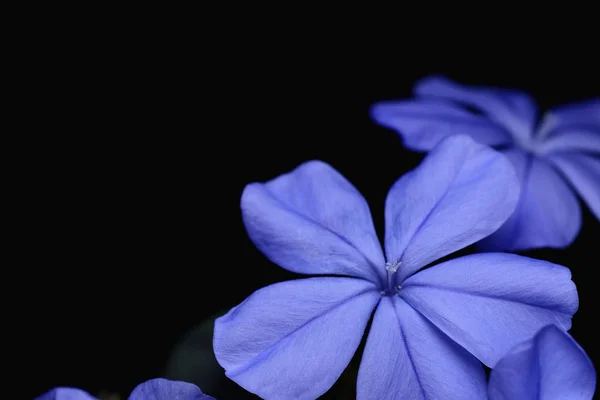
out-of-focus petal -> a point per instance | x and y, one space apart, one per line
293 340
548 213
488 303
423 123
551 366
580 114
406 357
66 393
313 221
584 139
512 109
164 389
583 172
461 192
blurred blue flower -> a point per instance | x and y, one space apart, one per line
154 389
292 340
66 393
561 150
551 366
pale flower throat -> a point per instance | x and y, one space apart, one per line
391 268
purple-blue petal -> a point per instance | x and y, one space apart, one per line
548 213
66 393
292 340
551 366
575 115
488 303
423 123
578 139
512 109
583 172
164 389
461 192
313 221
406 357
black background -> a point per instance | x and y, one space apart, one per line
133 232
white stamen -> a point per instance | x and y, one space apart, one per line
392 266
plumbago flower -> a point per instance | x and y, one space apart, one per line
562 150
154 389
292 340
551 366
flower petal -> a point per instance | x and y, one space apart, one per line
512 109
548 213
551 366
461 192
164 389
490 302
424 123
580 114
313 221
66 393
292 340
584 174
583 139
406 357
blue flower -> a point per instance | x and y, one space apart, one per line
562 149
154 389
292 340
66 393
551 366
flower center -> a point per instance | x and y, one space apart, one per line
531 145
391 289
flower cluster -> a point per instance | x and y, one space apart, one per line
432 328
433 325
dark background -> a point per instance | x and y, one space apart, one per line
133 231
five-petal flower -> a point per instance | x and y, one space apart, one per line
154 389
550 366
292 340
562 150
